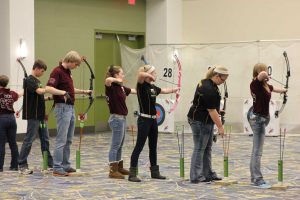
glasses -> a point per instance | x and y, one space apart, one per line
222 79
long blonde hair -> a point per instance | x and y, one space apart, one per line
259 67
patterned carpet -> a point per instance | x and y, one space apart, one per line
96 184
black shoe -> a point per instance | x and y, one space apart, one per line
195 181
206 180
1 170
215 178
70 170
13 169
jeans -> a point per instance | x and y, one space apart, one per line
258 126
8 131
117 123
33 127
201 168
65 119
146 128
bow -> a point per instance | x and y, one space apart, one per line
222 113
19 60
286 86
82 116
91 97
178 84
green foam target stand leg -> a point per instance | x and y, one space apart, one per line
225 166
78 160
45 160
181 167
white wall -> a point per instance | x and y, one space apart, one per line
214 21
17 21
163 21
238 20
4 38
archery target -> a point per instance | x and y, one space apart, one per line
165 119
160 114
272 129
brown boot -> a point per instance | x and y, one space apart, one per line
121 169
113 171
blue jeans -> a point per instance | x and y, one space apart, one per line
8 131
117 123
33 127
201 168
65 119
258 126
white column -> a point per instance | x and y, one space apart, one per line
17 21
163 21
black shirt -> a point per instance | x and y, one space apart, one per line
261 97
146 94
33 103
207 96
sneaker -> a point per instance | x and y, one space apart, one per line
263 186
50 169
25 171
70 170
60 173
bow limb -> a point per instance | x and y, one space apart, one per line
19 60
286 86
178 84
91 97
222 113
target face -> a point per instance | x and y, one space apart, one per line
160 114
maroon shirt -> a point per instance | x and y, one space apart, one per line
115 97
7 99
261 97
61 78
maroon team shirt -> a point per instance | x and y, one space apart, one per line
261 98
61 78
115 97
7 99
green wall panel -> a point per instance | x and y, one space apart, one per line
64 25
107 52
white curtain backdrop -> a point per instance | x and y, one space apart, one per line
239 58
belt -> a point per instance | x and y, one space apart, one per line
118 116
147 116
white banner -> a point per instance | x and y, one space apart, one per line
272 129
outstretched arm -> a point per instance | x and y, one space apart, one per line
169 90
278 90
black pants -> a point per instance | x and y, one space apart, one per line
146 128
8 131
